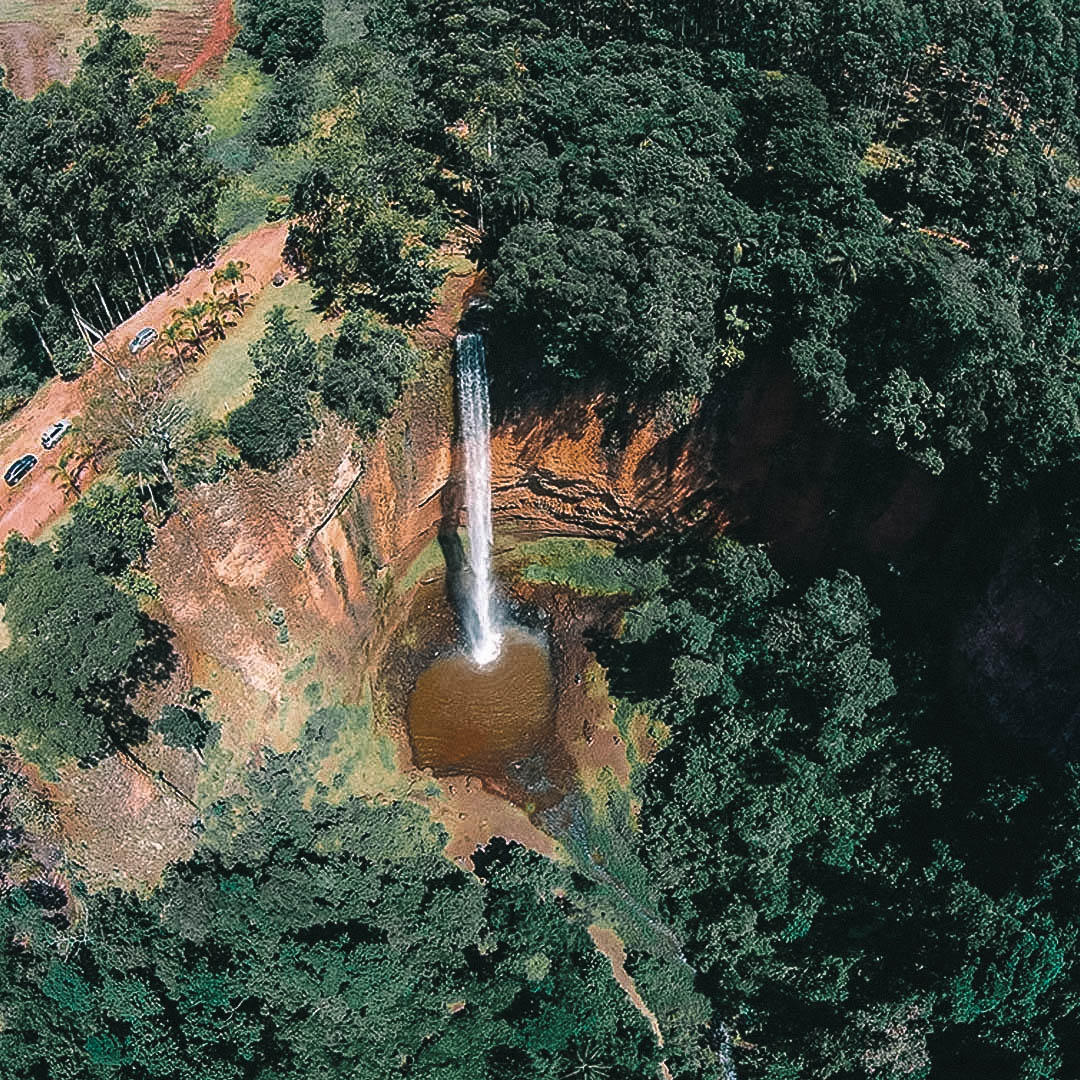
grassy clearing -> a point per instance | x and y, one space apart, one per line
258 176
229 101
222 379
355 761
255 184
5 633
589 567
428 563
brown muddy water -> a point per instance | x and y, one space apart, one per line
496 721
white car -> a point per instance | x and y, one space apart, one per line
51 436
142 339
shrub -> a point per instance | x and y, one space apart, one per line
107 530
270 427
364 375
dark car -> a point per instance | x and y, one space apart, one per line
18 469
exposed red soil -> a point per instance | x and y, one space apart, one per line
329 536
37 501
185 43
216 46
259 540
558 473
30 55
472 815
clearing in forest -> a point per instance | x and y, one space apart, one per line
40 39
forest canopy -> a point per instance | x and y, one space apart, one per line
106 198
885 196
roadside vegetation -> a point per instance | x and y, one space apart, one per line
106 197
79 643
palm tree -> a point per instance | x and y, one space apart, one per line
66 475
234 273
215 309
174 339
193 316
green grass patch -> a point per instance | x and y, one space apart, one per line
589 567
428 563
221 380
230 100
352 759
258 175
258 178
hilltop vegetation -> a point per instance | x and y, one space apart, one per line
884 197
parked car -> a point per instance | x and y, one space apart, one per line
51 436
142 339
18 469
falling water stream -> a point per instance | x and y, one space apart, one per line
489 710
479 616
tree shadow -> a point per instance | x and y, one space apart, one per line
154 663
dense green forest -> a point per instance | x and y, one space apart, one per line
847 862
860 891
106 198
310 944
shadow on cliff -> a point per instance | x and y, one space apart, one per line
453 551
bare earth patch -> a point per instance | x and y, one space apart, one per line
123 824
610 944
40 39
32 58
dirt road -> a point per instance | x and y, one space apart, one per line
36 502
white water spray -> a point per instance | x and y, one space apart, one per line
480 622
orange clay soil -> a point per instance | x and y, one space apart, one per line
31 57
215 47
185 43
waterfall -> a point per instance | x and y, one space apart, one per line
479 616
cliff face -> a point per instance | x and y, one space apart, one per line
320 547
264 576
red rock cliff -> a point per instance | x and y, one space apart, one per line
328 538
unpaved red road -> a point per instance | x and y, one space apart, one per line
35 503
